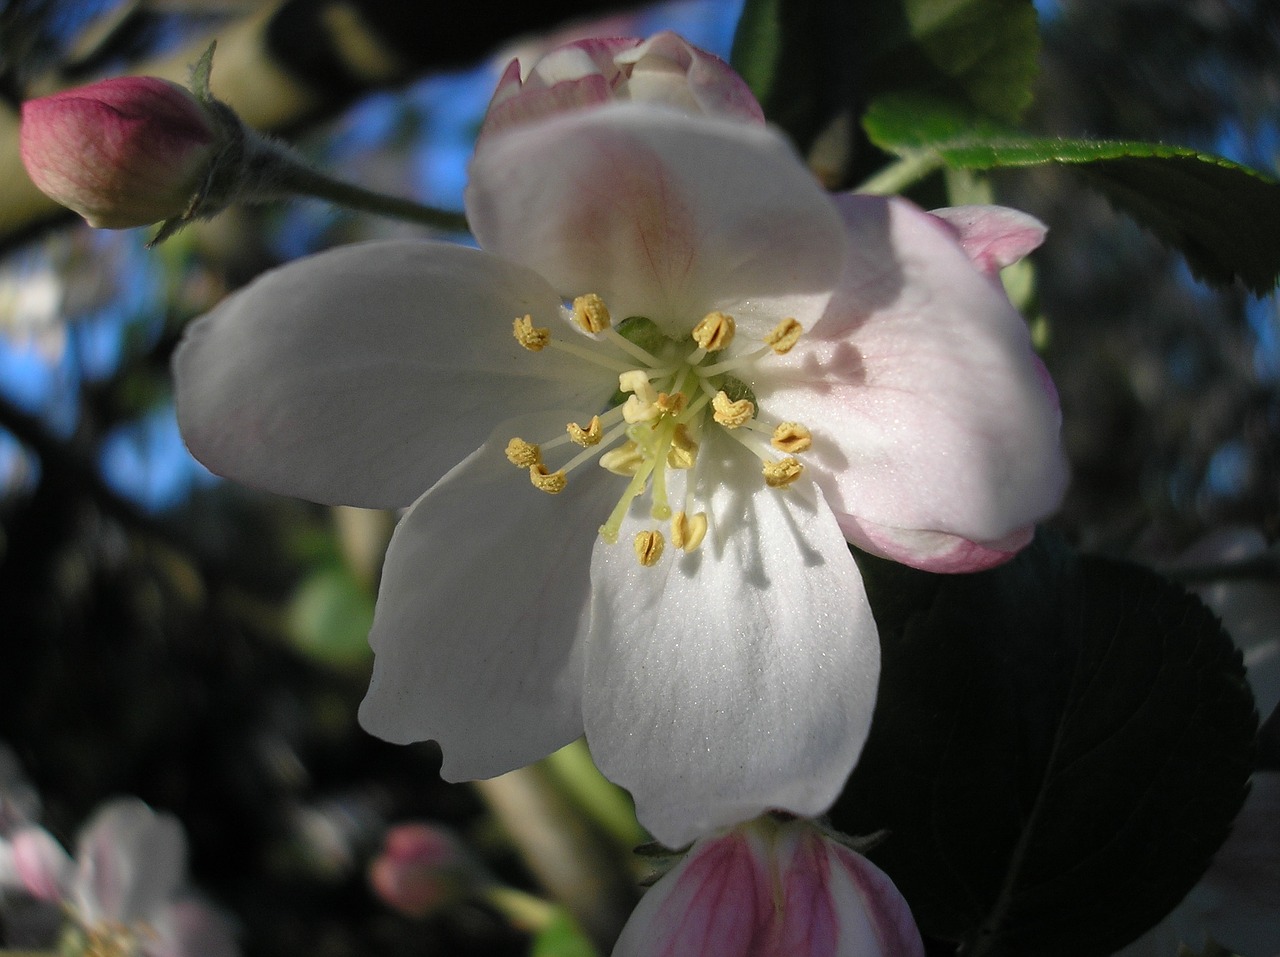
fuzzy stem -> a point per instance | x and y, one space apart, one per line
896 177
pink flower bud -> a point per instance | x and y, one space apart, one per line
771 889
664 70
122 152
422 869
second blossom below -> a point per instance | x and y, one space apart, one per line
636 430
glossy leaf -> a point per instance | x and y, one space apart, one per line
1223 217
1052 736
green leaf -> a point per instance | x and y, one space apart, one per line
562 937
1223 217
330 616
979 53
1058 748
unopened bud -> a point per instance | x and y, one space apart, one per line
422 870
123 152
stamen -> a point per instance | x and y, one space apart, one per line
784 335
714 332
626 459
642 405
791 437
683 451
552 483
648 547
591 355
732 414
523 454
591 314
781 473
688 531
589 436
533 339
671 403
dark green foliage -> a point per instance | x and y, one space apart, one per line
1052 737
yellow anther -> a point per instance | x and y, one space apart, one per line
683 449
550 482
714 332
636 409
791 437
533 339
688 531
589 436
590 312
523 454
784 335
731 414
626 459
637 381
672 403
648 547
781 473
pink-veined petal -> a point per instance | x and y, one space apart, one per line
933 551
993 236
129 862
481 610
875 919
714 903
737 678
928 406
360 375
668 69
662 215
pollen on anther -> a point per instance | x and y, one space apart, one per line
626 459
589 436
648 547
523 454
784 335
532 338
550 482
684 450
671 403
714 332
791 437
688 531
591 314
729 413
781 473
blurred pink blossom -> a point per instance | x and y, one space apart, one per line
421 870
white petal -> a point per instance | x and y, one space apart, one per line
740 677
929 409
360 375
662 215
483 596
129 862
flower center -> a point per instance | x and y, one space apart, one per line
670 392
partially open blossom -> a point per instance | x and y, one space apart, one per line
123 894
648 415
123 152
422 869
772 889
664 70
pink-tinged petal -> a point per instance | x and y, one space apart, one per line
737 678
121 152
875 920
667 69
933 551
927 404
360 375
129 862
42 867
807 924
662 215
512 106
993 236
715 903
481 610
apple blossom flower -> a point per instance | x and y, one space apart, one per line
646 415
123 152
123 893
772 889
663 70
